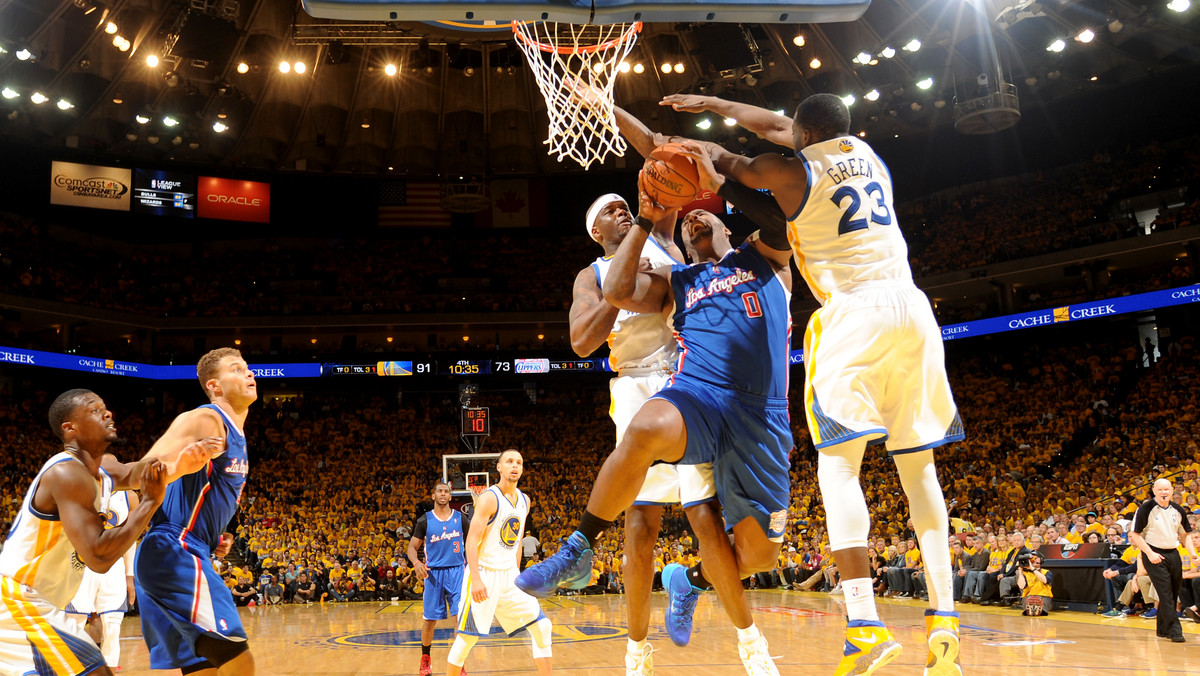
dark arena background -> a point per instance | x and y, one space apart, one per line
365 208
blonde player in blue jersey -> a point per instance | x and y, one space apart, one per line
874 363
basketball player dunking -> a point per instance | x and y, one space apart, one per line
493 561
874 362
440 531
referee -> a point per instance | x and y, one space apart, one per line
1156 530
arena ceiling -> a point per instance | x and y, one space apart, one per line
74 73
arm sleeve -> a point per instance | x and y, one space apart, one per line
1183 515
762 209
1142 517
418 532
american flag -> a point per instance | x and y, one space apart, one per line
411 204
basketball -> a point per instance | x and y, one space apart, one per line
671 177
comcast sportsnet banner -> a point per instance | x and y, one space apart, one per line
233 200
84 185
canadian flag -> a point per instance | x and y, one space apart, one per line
517 203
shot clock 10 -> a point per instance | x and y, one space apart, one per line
476 422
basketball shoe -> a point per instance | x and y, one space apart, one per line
869 646
756 657
942 628
639 663
682 597
426 666
569 568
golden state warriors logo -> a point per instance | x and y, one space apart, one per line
845 145
1062 314
110 519
108 363
509 532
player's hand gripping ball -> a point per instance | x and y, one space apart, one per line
670 177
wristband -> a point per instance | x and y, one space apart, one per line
645 224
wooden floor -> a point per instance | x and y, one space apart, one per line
804 631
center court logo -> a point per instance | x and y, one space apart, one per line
442 638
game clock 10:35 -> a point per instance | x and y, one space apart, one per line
468 367
476 422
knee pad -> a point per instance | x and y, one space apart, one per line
219 649
542 632
462 645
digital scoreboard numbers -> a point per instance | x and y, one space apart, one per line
476 422
468 367
164 193
351 369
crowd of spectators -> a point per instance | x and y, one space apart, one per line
338 479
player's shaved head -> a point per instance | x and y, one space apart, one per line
64 406
824 116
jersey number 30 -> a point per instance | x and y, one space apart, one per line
848 223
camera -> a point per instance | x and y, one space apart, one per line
1024 559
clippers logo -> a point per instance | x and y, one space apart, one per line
533 365
232 200
778 521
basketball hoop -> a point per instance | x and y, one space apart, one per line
476 491
576 66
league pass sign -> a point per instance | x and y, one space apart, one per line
164 193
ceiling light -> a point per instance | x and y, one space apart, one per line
749 79
152 60
131 136
815 63
704 124
1115 26
64 104
141 119
390 70
152 139
916 107
24 54
193 146
285 67
888 52
221 114
872 95
913 45
1179 5
639 68
598 67
38 98
729 122
798 40
169 121
177 141
781 112
366 124
469 71
3 50
118 100
8 93
1093 78
849 100
171 78
1085 36
939 104
1056 46
873 62
863 58
121 43
110 28
925 84
243 67
300 67
679 68
862 134
220 127
623 67
1031 81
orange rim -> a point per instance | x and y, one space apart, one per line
590 49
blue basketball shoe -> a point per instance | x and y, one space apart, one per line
682 597
569 568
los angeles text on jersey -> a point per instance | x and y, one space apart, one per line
717 285
448 535
238 466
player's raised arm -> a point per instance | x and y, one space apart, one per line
485 509
764 123
99 548
625 285
188 445
591 319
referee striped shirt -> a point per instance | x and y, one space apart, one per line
1161 526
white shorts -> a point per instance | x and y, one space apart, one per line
511 607
875 367
664 484
37 638
100 593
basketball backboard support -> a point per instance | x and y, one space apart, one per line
464 470
590 11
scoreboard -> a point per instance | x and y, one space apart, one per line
468 367
164 193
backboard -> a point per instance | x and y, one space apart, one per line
583 11
462 471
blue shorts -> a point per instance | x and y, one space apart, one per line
747 438
444 585
181 598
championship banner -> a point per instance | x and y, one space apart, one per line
85 185
233 200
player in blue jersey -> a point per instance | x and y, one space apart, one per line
440 530
189 619
727 404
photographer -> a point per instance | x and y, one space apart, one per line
1034 584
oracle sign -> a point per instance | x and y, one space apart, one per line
233 200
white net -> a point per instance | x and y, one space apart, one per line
576 67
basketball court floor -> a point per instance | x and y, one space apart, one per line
804 630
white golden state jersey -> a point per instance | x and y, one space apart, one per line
845 232
498 547
640 340
37 552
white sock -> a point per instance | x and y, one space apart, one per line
860 599
636 647
749 634
941 602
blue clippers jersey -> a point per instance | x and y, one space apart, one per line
733 321
444 544
203 503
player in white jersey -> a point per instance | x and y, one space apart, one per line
100 604
493 550
55 535
874 363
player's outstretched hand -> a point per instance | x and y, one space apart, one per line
710 179
479 592
420 569
648 208
687 103
197 454
154 481
224 546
